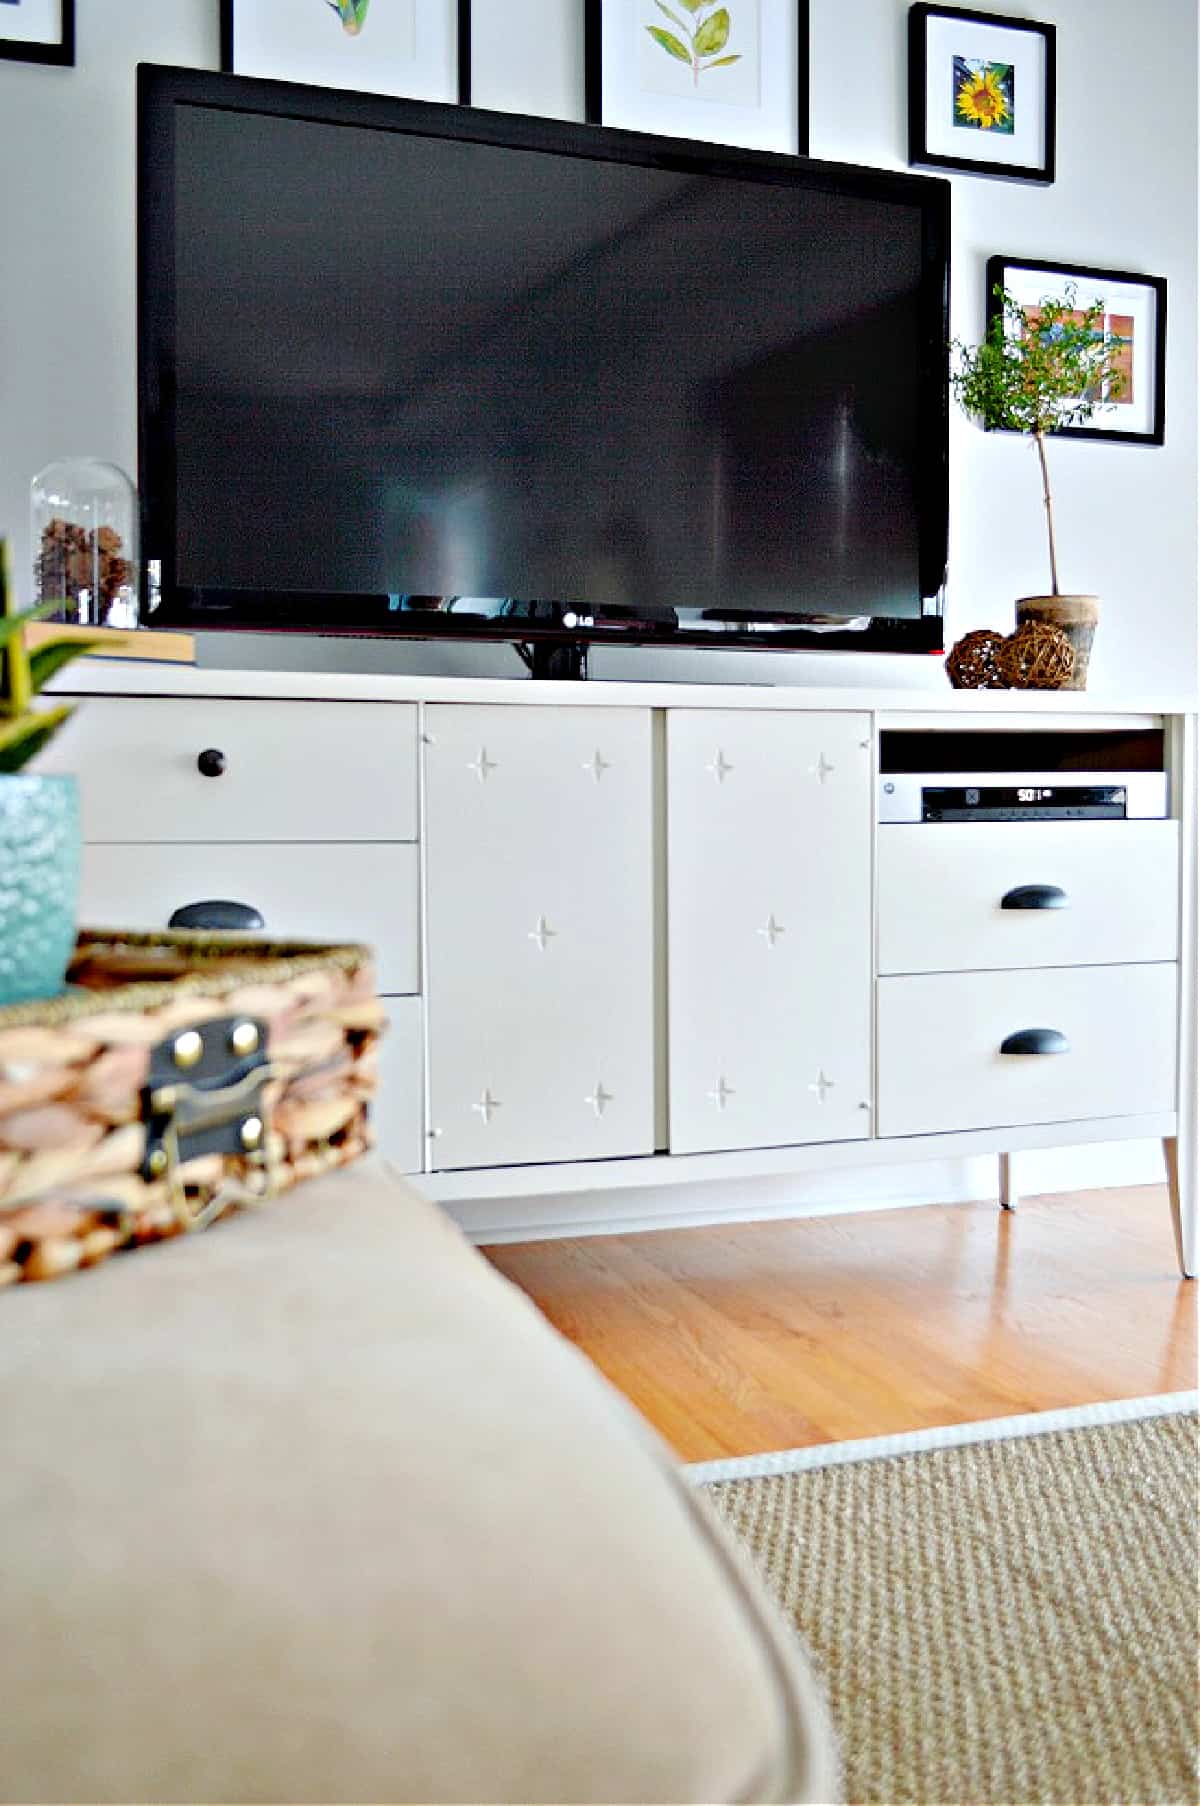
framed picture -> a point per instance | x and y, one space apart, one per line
420 49
981 93
38 31
723 71
1134 320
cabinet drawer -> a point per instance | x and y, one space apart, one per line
942 889
292 770
339 893
940 1038
398 1110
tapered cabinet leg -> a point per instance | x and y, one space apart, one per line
1008 1181
1183 1211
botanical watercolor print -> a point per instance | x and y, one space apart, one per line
702 38
983 95
351 13
704 49
1117 330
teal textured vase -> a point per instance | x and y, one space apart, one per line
39 884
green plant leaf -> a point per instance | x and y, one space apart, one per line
15 690
1038 375
11 625
713 35
1038 369
694 6
45 660
673 17
669 42
22 739
723 62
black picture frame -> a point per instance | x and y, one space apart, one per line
1052 277
920 150
59 51
463 21
593 84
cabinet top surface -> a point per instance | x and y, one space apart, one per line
130 677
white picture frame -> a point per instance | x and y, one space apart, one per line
718 71
415 49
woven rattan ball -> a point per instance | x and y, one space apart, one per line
972 662
1036 657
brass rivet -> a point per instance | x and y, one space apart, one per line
188 1048
244 1038
252 1132
157 1162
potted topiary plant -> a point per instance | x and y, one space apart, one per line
1037 371
39 816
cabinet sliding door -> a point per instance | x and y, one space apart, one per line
539 932
769 882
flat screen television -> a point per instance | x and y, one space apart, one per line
430 370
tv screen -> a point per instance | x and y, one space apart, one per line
408 368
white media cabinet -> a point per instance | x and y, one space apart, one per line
637 934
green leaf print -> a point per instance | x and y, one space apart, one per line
669 42
713 35
673 17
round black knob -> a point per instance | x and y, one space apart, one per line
218 913
211 762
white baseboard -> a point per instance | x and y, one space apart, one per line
839 1193
949 1436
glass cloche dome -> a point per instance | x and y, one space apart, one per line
83 522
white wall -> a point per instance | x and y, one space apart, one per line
68 244
1126 195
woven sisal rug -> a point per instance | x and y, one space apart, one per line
1003 1621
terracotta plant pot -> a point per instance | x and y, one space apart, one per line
1076 615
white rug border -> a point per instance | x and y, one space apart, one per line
947 1436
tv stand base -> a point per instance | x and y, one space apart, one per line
556 661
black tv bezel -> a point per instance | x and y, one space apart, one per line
161 90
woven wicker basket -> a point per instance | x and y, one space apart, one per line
180 1076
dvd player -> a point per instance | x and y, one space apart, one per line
1023 796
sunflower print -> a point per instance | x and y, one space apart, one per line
983 96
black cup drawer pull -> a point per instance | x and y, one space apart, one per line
1036 1041
220 914
211 762
1034 896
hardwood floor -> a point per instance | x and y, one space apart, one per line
761 1336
